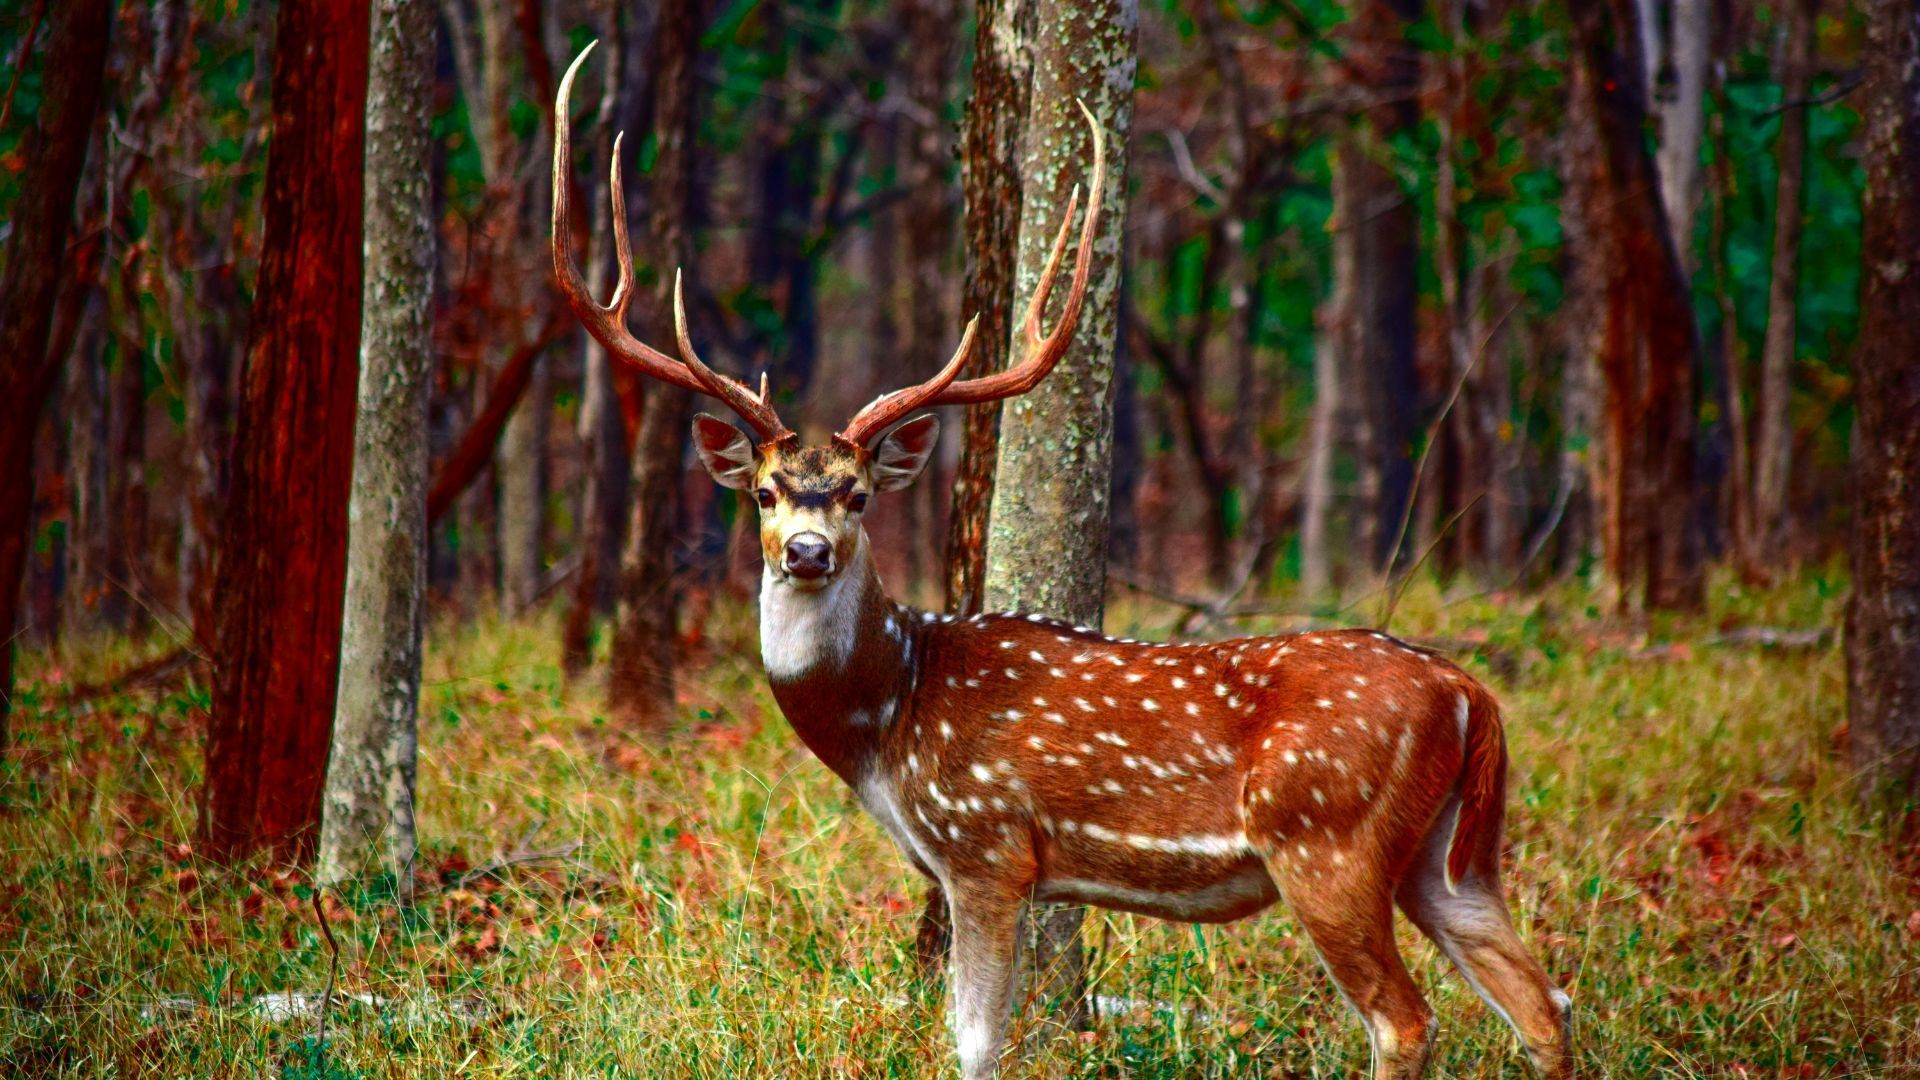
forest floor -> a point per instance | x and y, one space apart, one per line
1686 858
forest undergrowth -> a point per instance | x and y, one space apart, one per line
1686 858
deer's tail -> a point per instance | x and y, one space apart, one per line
1483 790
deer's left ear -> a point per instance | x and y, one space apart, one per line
901 455
724 450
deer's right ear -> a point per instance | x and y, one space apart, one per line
724 450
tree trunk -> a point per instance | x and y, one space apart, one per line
641 682
1386 229
54 149
368 819
601 428
1883 616
520 456
1048 533
1773 430
931 27
1729 354
283 548
1683 122
1332 354
990 177
1648 357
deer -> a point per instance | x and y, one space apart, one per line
1015 758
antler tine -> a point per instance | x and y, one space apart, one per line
1043 353
754 410
608 323
881 413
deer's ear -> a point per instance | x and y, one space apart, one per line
902 455
724 450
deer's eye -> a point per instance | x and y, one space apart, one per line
858 503
765 498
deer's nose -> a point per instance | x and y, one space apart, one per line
809 556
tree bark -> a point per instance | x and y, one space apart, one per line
520 455
1773 430
1048 525
602 430
1333 352
931 26
1386 230
283 551
990 178
1683 121
1883 615
640 687
1648 357
55 149
368 819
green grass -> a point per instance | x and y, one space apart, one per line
1686 858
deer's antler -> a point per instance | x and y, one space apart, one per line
608 323
1042 353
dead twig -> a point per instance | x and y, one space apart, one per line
152 674
333 969
519 856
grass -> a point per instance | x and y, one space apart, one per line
1686 858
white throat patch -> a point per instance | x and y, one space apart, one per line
800 631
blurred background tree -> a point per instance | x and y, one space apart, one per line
1509 291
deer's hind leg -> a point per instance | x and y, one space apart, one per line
1348 915
1471 924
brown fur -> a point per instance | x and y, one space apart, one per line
1017 758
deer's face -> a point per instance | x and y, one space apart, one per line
812 499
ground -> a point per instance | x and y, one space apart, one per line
1686 858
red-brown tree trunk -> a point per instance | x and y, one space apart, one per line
1883 617
1650 347
990 178
283 550
55 148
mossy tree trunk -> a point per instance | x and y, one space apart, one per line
1047 534
367 815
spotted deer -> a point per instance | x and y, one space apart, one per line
1016 758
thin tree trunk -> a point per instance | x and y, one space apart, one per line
520 456
1883 616
1332 354
54 150
1386 228
368 819
1048 533
1733 382
87 521
641 681
1683 122
1648 356
1582 465
601 428
1773 432
283 548
990 177
931 27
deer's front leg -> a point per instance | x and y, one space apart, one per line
986 937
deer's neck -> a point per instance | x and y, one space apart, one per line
840 659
